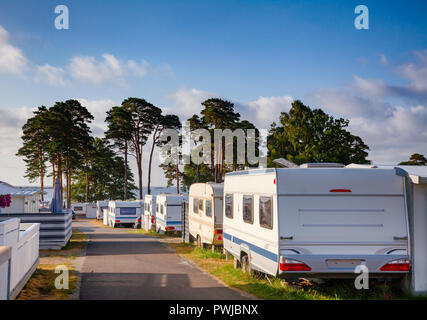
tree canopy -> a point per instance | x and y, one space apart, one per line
306 135
415 160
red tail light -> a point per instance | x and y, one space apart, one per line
152 219
170 228
117 221
218 231
401 265
139 220
293 265
340 190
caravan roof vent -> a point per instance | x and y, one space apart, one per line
322 165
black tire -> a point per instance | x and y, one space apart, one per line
236 263
246 265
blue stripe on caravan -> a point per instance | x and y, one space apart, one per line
265 253
119 217
169 222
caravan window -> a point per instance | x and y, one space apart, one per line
127 211
248 209
157 207
208 211
195 206
266 212
200 204
229 206
76 208
161 209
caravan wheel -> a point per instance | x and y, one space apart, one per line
236 263
246 265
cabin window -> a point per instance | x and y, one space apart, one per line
229 206
208 211
195 206
200 204
266 212
248 209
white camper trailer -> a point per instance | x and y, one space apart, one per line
91 210
100 206
123 212
168 212
205 213
317 222
79 209
149 219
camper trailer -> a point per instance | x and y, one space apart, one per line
79 209
149 218
100 206
205 213
317 222
168 212
84 210
123 212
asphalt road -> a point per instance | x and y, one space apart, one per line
121 265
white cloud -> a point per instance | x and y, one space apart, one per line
383 60
139 70
98 108
265 110
261 112
188 102
12 59
393 131
416 72
109 69
51 75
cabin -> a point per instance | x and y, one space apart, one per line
205 213
24 200
317 222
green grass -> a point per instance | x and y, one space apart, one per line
152 233
276 289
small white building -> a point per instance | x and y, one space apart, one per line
23 200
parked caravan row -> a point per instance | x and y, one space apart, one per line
100 206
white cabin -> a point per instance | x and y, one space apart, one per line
124 212
168 212
24 200
317 222
205 213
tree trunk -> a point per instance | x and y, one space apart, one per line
149 166
69 188
53 174
139 164
87 187
126 172
177 178
42 179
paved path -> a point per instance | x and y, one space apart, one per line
121 265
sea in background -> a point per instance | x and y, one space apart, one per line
154 191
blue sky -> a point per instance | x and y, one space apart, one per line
259 54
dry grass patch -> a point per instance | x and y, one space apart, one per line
41 285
